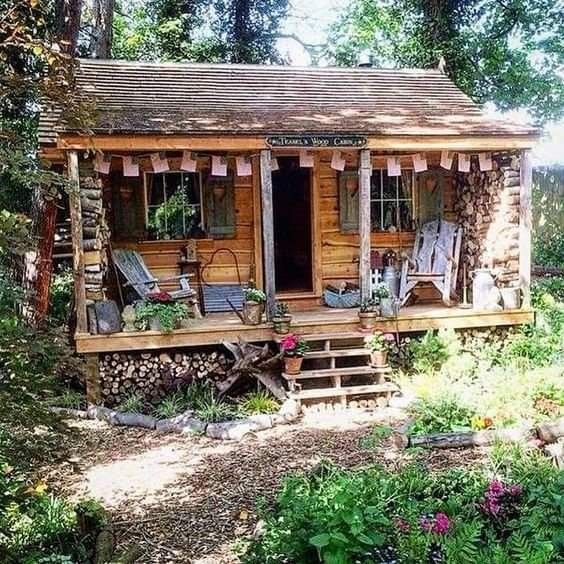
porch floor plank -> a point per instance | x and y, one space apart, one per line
321 321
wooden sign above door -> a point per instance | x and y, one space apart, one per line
320 141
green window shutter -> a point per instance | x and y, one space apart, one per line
348 200
220 207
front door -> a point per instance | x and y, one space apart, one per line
291 193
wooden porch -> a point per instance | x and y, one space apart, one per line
321 320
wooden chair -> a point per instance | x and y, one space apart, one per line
139 278
435 258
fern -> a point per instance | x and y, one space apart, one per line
463 546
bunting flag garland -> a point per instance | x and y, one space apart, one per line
274 166
338 161
188 163
485 160
130 166
219 166
102 163
446 159
159 162
394 166
420 162
306 159
463 162
243 165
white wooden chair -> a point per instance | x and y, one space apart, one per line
435 259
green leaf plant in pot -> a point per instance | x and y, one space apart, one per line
367 314
253 307
379 344
383 295
282 318
160 312
293 348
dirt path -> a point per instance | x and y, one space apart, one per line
188 499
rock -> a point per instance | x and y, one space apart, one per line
184 423
135 420
290 409
236 430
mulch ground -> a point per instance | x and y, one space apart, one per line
188 499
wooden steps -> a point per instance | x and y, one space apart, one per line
337 367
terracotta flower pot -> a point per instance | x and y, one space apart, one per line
282 324
379 358
293 364
367 320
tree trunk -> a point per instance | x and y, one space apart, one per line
101 38
67 24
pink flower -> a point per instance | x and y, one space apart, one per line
389 337
289 342
515 490
442 524
496 488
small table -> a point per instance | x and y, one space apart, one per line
196 266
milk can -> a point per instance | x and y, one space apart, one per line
390 277
485 294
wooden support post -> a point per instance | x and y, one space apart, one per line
364 223
93 385
267 232
525 226
77 249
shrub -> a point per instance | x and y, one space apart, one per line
133 403
171 406
509 512
258 402
441 415
61 296
433 350
201 397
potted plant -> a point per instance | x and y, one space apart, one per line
253 307
294 348
367 314
379 345
383 295
282 318
160 312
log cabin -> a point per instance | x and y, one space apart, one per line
292 179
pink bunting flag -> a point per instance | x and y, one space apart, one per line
485 160
306 159
463 162
189 162
446 159
394 166
274 164
159 162
219 166
102 163
130 166
243 165
420 162
338 161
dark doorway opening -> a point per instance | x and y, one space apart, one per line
291 192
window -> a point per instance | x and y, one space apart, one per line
391 201
174 205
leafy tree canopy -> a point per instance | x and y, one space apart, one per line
510 52
235 31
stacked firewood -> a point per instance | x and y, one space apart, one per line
488 210
153 375
95 234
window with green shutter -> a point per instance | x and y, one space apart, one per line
220 207
348 200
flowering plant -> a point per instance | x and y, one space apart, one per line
500 500
293 345
379 341
438 523
254 295
160 297
382 291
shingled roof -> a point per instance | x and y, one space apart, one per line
200 99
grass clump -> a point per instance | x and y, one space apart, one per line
259 402
132 403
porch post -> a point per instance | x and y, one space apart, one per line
267 232
77 249
364 223
525 226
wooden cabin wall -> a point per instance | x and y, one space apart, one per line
162 256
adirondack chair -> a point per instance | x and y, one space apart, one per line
139 278
435 258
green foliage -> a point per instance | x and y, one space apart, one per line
174 218
358 516
549 251
441 415
377 435
171 406
282 309
432 351
254 295
509 53
68 398
201 397
36 526
258 402
379 341
168 314
61 296
133 403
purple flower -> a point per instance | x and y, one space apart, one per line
442 524
496 488
515 490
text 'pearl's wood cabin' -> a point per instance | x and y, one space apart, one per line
291 178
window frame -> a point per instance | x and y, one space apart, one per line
200 191
381 199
